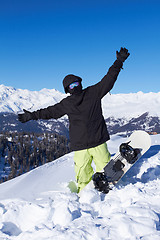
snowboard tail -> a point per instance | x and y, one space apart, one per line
129 153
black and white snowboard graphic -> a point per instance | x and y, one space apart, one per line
129 153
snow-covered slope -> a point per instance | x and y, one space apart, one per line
117 105
39 206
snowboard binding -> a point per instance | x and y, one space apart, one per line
118 166
128 152
100 182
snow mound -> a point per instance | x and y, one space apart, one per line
38 205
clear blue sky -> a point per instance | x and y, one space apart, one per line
41 41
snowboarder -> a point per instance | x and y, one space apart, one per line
87 127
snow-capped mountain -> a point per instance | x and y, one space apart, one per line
122 112
115 105
14 100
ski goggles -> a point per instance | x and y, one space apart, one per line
74 84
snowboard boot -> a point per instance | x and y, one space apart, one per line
100 182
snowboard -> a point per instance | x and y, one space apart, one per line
128 154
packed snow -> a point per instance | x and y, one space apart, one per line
128 105
39 206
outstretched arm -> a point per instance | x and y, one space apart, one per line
56 111
107 82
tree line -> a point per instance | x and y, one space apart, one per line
21 152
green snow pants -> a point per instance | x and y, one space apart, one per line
83 160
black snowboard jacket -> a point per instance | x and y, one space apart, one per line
87 127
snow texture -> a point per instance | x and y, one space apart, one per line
39 206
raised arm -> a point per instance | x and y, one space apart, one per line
107 82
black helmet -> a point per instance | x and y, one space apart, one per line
70 79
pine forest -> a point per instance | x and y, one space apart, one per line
22 152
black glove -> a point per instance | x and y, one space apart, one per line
123 54
25 117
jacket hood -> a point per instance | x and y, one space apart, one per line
70 79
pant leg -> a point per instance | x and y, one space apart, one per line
83 168
101 156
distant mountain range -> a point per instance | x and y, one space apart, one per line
123 112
